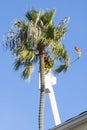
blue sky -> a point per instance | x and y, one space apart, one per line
19 100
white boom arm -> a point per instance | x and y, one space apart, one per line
50 81
54 107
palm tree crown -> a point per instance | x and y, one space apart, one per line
36 35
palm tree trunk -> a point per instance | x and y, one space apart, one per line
42 93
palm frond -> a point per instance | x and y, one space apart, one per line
57 50
27 71
21 25
47 17
32 33
59 53
63 23
61 28
18 64
50 32
61 68
31 15
25 54
60 33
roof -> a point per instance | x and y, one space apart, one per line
75 121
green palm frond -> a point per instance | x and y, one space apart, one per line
18 64
21 24
27 71
31 15
25 60
22 32
61 68
50 32
25 54
47 17
17 50
60 33
57 50
60 53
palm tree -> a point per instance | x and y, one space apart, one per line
37 38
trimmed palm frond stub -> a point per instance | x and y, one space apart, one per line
78 50
49 63
79 53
